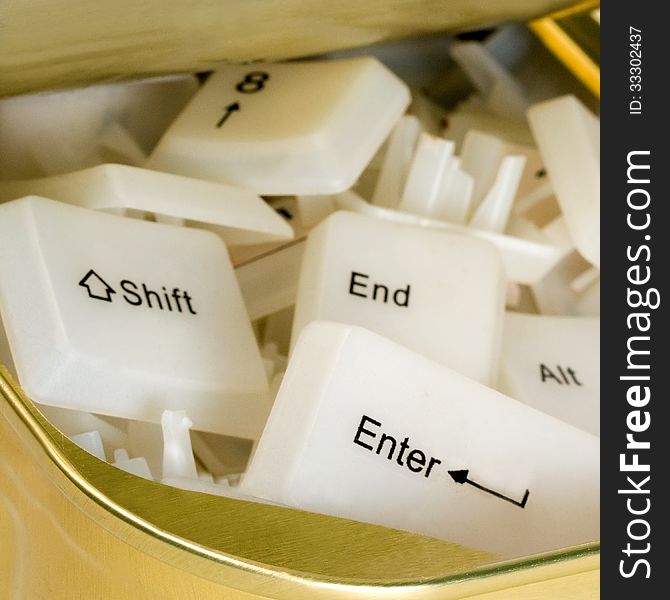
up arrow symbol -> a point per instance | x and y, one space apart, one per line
96 286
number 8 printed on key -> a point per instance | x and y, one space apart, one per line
253 82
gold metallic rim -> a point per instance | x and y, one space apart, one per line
565 48
456 570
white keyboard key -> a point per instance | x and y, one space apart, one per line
293 128
502 92
483 155
556 293
525 261
178 458
115 144
494 211
112 143
237 215
520 228
31 124
585 280
55 132
441 294
430 173
314 209
287 208
430 161
127 318
365 429
480 157
568 136
145 439
148 107
91 441
558 234
588 304
561 378
473 114
269 282
135 466
458 188
397 161
542 222
73 422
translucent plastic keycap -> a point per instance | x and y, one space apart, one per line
366 429
438 293
56 132
553 364
238 215
294 128
269 282
525 261
127 318
501 92
435 186
568 136
397 162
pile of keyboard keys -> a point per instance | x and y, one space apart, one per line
313 284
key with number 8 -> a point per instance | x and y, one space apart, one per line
299 128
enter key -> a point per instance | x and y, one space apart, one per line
366 429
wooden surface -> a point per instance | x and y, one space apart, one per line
63 43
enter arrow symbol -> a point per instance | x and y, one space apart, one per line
230 109
461 476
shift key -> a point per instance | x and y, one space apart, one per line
127 318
